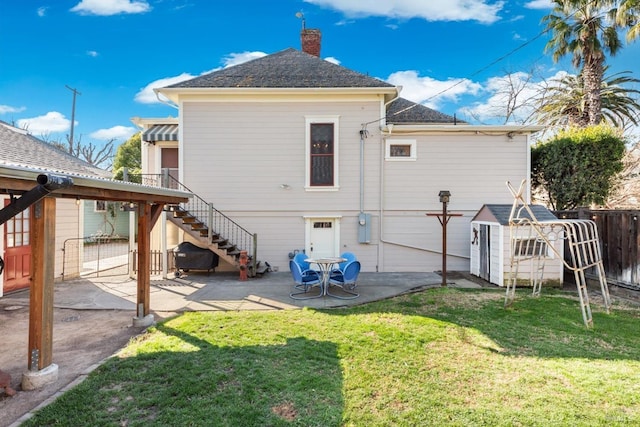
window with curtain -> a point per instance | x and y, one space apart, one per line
321 154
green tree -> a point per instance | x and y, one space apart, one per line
589 30
579 166
562 103
129 155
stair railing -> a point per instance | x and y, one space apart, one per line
216 222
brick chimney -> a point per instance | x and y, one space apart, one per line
310 39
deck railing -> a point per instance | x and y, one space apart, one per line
217 223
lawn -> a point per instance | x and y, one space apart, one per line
435 358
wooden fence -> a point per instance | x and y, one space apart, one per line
619 234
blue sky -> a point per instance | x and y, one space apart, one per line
451 55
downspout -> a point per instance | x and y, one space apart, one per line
381 214
47 183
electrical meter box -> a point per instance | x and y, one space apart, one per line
364 228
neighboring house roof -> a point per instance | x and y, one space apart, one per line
501 213
18 148
289 68
23 158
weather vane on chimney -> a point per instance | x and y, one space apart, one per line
300 15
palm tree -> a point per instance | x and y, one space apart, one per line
588 30
627 15
562 103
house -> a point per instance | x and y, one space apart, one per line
307 155
494 243
19 149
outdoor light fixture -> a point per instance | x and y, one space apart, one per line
444 196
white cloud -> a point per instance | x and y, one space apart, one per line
450 10
332 60
115 132
238 58
539 4
4 109
431 92
110 7
92 53
44 125
147 96
42 11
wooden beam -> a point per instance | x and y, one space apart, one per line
144 259
156 211
42 277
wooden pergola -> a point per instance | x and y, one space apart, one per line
30 183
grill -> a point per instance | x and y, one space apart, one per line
191 257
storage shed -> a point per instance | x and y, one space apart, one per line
491 247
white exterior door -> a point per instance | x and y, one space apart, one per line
322 237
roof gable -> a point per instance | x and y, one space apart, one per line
18 148
501 213
289 68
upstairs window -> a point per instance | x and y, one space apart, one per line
322 145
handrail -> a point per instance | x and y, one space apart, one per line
216 222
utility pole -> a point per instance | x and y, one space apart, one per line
73 116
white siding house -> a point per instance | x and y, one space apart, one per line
312 156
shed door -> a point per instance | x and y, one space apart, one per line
17 251
485 252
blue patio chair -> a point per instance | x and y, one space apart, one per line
300 260
346 280
304 281
348 256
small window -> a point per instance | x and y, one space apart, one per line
324 224
400 150
531 247
101 206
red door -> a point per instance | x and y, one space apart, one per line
169 160
17 251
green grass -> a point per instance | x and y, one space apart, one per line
439 357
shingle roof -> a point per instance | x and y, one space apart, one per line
502 213
18 148
289 68
403 111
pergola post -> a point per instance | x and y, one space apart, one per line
143 315
41 370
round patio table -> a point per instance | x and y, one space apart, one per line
325 265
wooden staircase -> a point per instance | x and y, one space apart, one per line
197 228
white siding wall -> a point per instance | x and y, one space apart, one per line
237 155
553 265
474 168
68 226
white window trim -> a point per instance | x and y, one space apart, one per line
309 120
411 142
95 206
